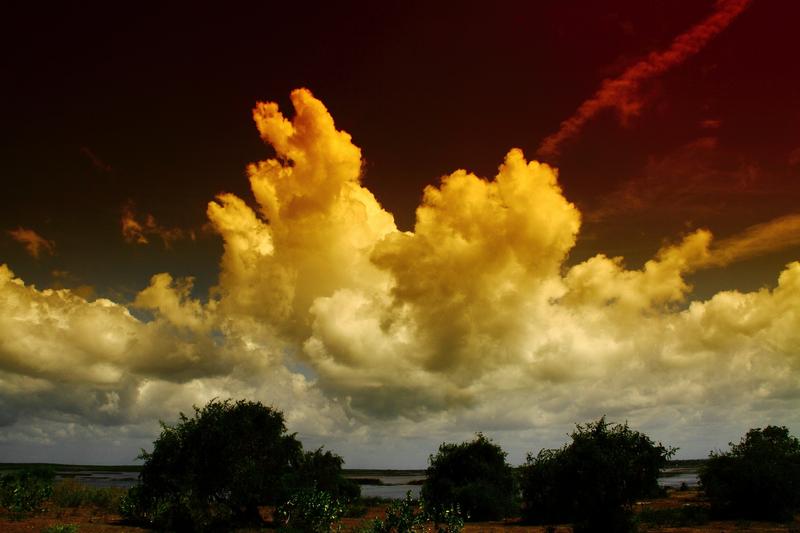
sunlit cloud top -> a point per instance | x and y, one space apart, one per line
473 320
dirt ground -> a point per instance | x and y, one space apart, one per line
89 521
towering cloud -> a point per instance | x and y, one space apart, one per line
471 321
622 92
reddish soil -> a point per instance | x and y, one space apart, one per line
92 521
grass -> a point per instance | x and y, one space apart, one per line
71 494
688 515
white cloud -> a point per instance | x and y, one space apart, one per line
371 339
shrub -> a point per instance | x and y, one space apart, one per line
220 465
69 493
686 516
309 511
445 520
26 490
759 478
474 476
106 499
594 480
402 516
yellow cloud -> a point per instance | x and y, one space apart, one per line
472 320
137 232
760 239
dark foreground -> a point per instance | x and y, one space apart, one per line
662 515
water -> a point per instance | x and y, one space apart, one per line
394 487
677 477
100 480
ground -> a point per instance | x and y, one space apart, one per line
90 521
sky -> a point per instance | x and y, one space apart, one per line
399 223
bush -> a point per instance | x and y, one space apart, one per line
26 490
71 494
412 516
759 478
593 481
686 516
309 511
220 465
402 516
474 476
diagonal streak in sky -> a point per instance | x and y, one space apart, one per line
620 92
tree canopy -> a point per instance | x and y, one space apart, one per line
594 480
474 476
221 464
759 478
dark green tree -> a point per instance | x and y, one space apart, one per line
322 470
594 480
216 468
759 478
473 476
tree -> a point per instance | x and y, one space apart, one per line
474 476
593 481
322 470
220 465
759 478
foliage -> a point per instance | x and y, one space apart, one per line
70 493
445 519
310 511
759 478
61 528
473 476
686 516
411 516
322 470
220 465
25 491
594 480
402 516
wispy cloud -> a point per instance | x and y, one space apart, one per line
760 239
140 231
95 160
697 178
472 320
35 244
622 92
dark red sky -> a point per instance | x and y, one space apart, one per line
150 104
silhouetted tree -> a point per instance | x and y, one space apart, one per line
759 478
217 467
594 480
473 475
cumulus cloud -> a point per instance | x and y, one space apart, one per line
622 92
34 243
368 335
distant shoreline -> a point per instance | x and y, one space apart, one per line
349 472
